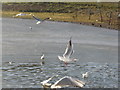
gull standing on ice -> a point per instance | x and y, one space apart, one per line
40 20
68 52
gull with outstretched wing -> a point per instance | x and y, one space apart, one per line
40 20
21 14
46 83
68 52
67 82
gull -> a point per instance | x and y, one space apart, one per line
68 52
40 20
10 62
42 57
85 75
45 82
67 82
21 14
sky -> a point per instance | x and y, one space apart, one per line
60 0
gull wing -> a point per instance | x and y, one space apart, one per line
23 14
67 81
38 22
69 49
36 18
78 82
20 14
45 82
62 82
46 19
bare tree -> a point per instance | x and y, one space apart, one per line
99 6
101 17
109 15
90 13
75 14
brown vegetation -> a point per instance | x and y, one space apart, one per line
90 13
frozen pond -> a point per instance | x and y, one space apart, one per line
96 48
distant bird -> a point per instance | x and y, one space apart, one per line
67 82
68 52
40 20
10 62
21 14
85 75
42 57
45 83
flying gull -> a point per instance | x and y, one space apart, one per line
40 20
21 14
68 82
46 83
65 81
68 52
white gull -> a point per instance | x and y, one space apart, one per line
40 20
85 75
21 14
67 82
68 52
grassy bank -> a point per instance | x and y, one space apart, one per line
102 14
68 17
